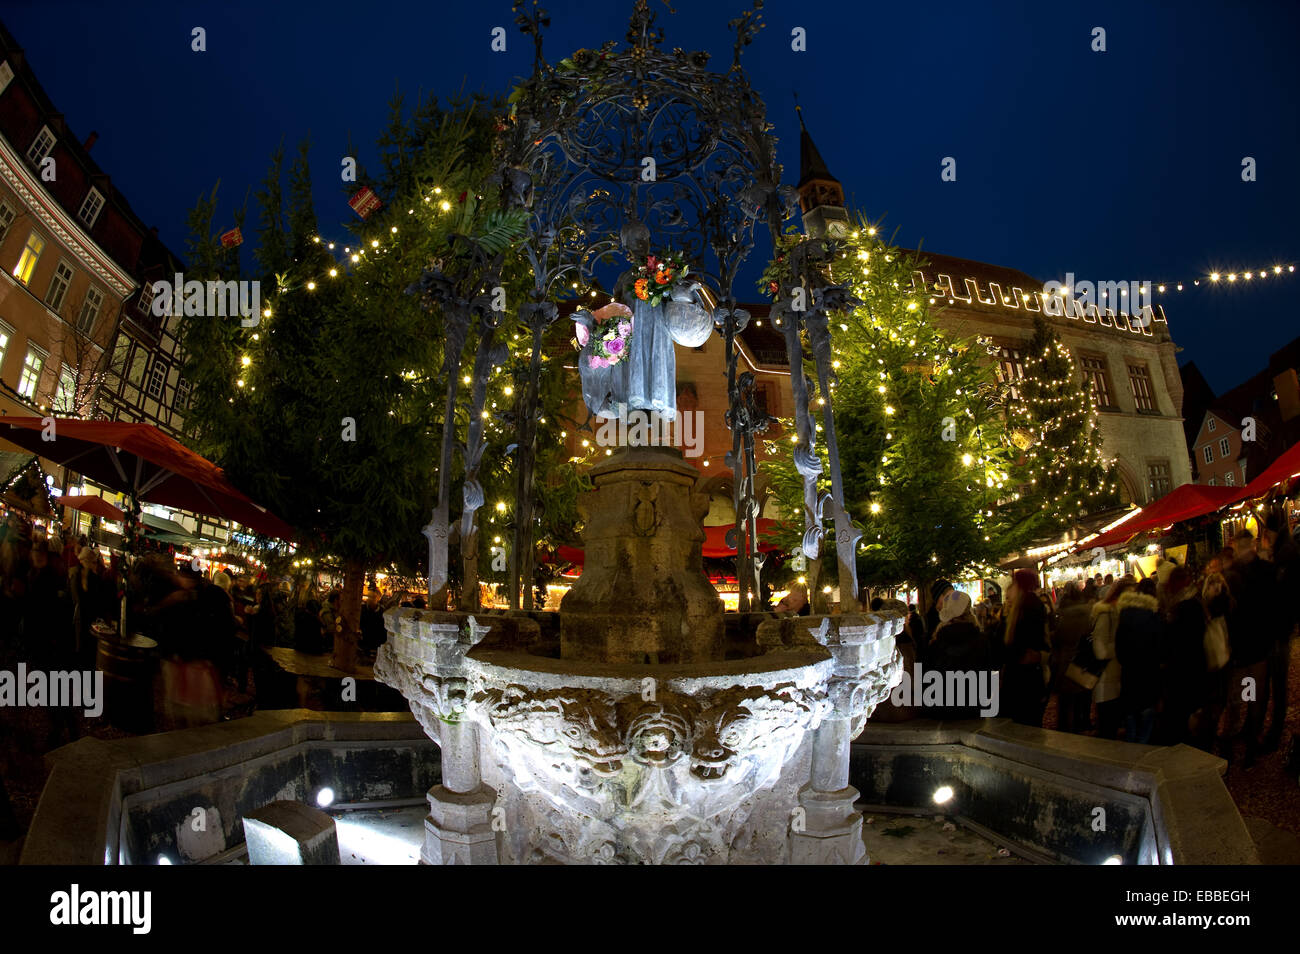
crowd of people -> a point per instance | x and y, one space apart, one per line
210 628
1188 655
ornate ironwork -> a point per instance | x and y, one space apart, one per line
648 138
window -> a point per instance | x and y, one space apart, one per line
121 354
1011 368
90 310
1094 373
6 218
5 334
1223 447
1143 396
41 146
6 75
65 398
91 207
1212 483
27 261
1211 424
145 303
31 372
157 377
1208 451
182 395
1158 478
1229 479
59 286
139 361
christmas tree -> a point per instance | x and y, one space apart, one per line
1052 417
923 449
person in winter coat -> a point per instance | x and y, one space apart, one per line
1073 622
1106 694
959 646
1138 640
1217 601
1252 629
1183 655
1026 649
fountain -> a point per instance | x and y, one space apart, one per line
640 742
641 738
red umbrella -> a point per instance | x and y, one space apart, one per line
95 506
141 460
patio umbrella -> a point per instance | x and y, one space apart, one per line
95 506
140 460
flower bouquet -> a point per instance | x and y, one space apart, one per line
658 277
609 334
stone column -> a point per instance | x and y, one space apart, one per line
831 828
458 829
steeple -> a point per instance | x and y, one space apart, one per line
821 197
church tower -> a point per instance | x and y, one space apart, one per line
821 197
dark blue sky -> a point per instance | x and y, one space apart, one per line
1119 166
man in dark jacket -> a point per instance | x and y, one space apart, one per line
1253 628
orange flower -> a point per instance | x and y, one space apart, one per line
641 289
664 276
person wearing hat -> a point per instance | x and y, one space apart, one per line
938 590
1253 624
958 645
1024 685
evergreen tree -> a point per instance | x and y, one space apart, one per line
923 450
1052 417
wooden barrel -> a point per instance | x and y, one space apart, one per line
128 667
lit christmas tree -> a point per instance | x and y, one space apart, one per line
925 456
1052 417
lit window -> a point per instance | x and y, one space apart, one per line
1144 398
1094 373
90 310
59 286
41 146
91 207
31 372
27 260
1223 447
5 334
65 399
6 218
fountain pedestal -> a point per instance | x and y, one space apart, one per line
641 743
643 596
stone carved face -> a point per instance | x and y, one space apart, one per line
658 734
737 723
575 720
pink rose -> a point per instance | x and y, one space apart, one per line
625 329
583 335
598 362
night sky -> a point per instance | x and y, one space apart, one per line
1116 166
